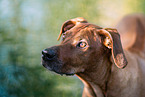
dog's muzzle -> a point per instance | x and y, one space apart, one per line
50 59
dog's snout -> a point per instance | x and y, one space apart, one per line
48 54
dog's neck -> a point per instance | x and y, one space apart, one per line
96 78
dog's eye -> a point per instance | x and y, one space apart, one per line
82 44
63 36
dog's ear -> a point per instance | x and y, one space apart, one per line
113 42
70 24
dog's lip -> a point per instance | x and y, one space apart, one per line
67 74
47 67
60 73
51 69
45 58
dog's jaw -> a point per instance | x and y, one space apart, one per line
49 65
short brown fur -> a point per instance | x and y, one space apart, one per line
96 56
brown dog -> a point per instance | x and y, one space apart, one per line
96 56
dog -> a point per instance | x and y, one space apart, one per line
95 55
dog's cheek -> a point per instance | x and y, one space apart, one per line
72 59
72 65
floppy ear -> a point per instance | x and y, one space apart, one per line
113 42
70 24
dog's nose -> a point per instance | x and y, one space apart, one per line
48 54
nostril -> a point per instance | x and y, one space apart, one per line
44 52
48 54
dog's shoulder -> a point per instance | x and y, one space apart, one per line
132 31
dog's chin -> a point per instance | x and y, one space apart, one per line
58 71
67 74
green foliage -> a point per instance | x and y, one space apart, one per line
29 26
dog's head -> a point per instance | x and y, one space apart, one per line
83 46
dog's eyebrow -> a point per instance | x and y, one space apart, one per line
71 34
83 27
68 39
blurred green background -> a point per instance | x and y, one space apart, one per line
29 26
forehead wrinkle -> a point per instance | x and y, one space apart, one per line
82 27
75 33
68 37
72 35
92 36
83 31
87 33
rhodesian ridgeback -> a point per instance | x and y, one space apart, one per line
96 56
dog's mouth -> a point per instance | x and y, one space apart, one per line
56 66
